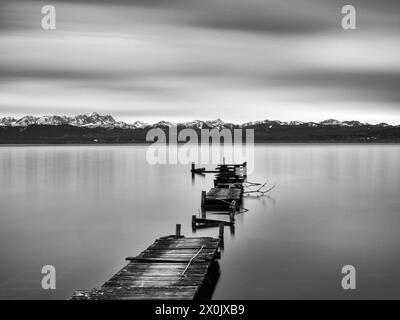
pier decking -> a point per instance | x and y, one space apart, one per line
228 187
173 267
221 198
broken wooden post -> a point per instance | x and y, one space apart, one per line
193 222
192 167
232 210
221 231
203 213
178 230
203 199
221 234
232 217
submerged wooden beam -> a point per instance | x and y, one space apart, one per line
201 222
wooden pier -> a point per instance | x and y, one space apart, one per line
176 267
173 267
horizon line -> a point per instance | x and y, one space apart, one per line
181 122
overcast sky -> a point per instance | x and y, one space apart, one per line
179 60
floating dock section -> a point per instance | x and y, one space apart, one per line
222 198
225 197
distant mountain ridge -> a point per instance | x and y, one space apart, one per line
96 128
95 120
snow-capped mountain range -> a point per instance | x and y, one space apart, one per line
95 120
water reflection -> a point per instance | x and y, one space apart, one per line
84 209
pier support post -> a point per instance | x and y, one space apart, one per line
221 234
178 230
203 212
203 199
194 222
192 167
232 210
221 231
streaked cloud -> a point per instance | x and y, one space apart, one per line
186 59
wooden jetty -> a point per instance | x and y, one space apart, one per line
173 267
177 267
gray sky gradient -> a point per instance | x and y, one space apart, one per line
181 60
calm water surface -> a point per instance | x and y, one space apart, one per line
84 209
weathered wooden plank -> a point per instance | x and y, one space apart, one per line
182 240
172 256
154 256
178 250
160 278
172 277
152 284
156 266
163 254
182 246
185 292
148 266
166 259
211 244
163 272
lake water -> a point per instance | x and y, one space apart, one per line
84 209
